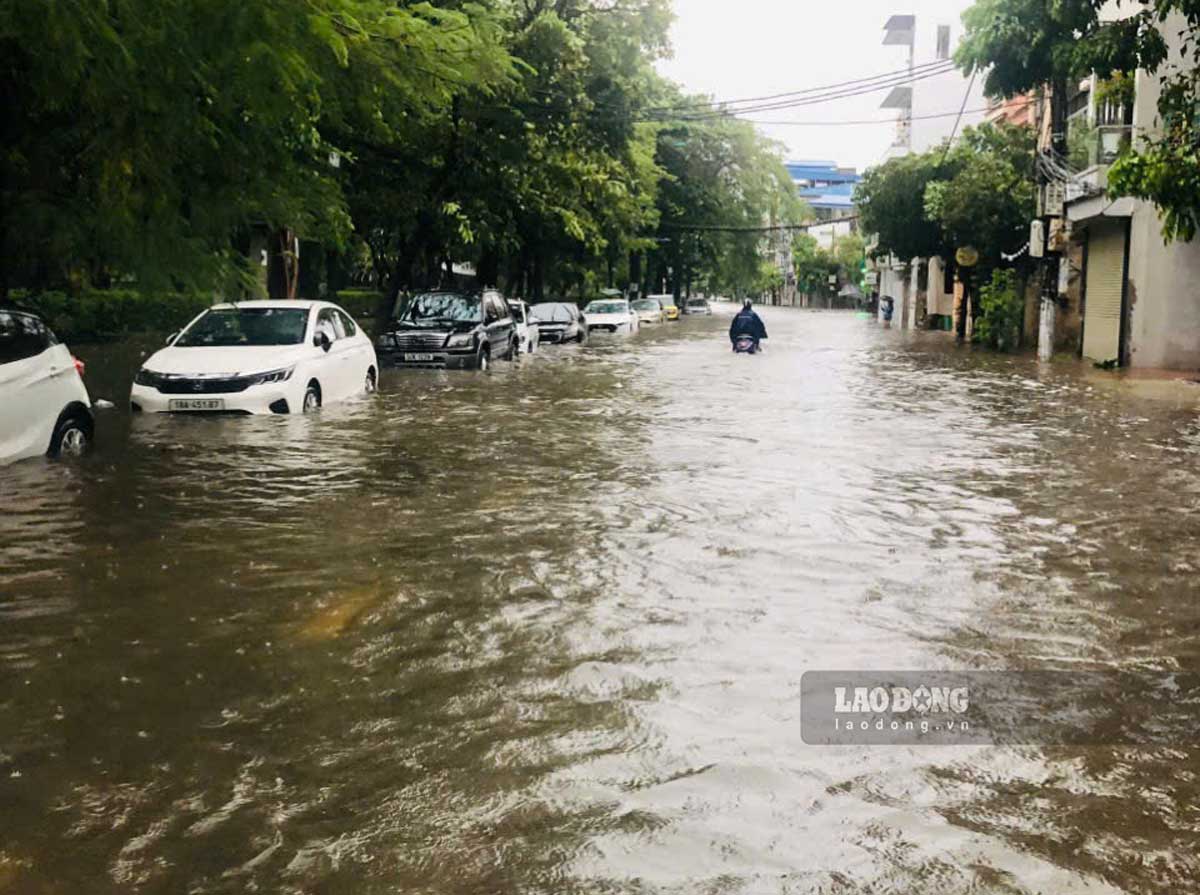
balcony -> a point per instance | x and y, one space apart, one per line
1091 151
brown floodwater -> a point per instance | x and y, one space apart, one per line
543 630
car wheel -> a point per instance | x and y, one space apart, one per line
372 383
532 346
483 360
514 348
312 398
72 436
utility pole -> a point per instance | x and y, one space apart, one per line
1053 265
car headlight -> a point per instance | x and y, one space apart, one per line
272 376
460 340
147 377
386 341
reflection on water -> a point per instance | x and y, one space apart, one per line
544 629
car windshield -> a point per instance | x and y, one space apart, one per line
443 307
697 303
606 307
552 312
647 304
226 327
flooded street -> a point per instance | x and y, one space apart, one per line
542 630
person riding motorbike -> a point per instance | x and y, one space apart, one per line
747 323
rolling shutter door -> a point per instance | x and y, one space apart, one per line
1105 287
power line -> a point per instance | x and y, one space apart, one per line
807 101
776 228
872 120
903 72
958 120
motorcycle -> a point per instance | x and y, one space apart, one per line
744 344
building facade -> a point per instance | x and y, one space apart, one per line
935 107
1138 303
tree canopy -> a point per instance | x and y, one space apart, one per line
1023 44
978 193
148 141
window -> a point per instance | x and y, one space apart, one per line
328 323
225 327
21 337
348 324
491 313
943 42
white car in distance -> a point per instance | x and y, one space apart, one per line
44 406
612 315
528 334
258 357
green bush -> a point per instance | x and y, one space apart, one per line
362 304
101 315
1002 312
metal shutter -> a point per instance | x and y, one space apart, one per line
1105 287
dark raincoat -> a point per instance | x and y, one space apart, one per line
747 323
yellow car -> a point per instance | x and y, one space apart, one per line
670 309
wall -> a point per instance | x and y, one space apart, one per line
938 301
944 93
824 233
1164 280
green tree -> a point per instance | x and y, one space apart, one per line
891 205
145 138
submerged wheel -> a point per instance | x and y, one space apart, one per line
312 398
372 383
72 437
483 360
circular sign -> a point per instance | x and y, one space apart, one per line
967 256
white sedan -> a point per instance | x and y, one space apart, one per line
612 315
258 357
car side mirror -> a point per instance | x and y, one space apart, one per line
321 340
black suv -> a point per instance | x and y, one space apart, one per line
462 330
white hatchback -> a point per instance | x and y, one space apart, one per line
258 357
44 407
528 334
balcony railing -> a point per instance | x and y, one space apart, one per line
1098 146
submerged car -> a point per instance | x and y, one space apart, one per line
559 321
258 357
697 306
44 406
454 330
670 309
613 315
649 310
528 335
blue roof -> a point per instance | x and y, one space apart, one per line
838 195
820 170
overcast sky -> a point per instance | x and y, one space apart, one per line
734 49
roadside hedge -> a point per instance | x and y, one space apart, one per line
102 315
362 304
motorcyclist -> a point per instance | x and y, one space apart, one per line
747 323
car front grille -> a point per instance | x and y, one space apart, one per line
182 385
419 341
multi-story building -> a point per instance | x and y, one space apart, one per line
1139 305
933 108
828 190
